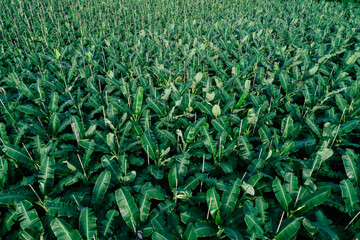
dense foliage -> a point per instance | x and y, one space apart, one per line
217 119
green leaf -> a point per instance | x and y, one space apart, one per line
15 153
216 111
252 222
128 209
3 171
8 220
156 107
63 231
246 148
198 77
173 177
189 233
204 107
113 167
284 80
349 195
341 102
30 109
107 225
138 101
262 206
289 229
161 236
212 199
144 206
348 127
291 184
29 219
241 100
232 233
313 127
350 165
208 141
205 229
312 200
87 224
16 196
53 104
47 174
57 208
321 156
281 194
192 182
149 145
54 124
351 59
101 186
89 150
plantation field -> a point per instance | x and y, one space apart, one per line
154 119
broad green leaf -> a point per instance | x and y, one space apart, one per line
30 109
291 184
149 145
29 218
173 177
144 206
246 148
101 186
349 161
233 234
26 235
262 206
204 107
3 171
63 231
241 100
205 229
348 127
289 229
87 224
192 182
313 127
53 104
208 141
16 154
352 58
113 167
312 200
216 111
46 174
287 126
341 102
57 208
161 236
321 156
12 197
8 220
252 222
349 195
281 194
138 101
189 233
54 124
284 80
198 77
88 152
128 209
156 107
212 199
107 225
